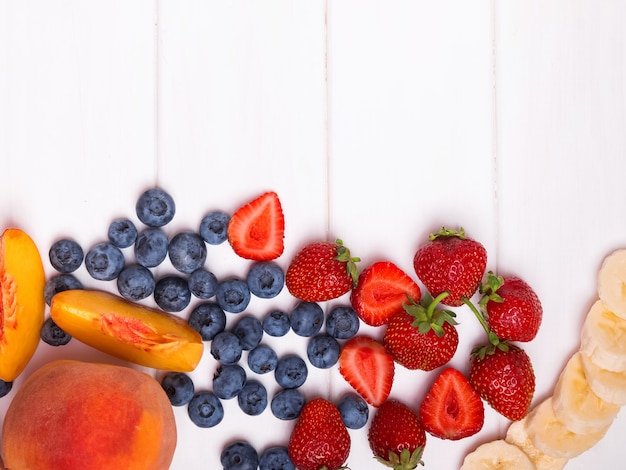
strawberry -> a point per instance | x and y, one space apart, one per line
321 271
453 263
421 337
452 409
256 230
381 290
365 364
503 376
511 307
396 436
319 439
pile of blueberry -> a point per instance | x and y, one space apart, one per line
187 252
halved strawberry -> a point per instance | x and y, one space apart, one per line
256 230
368 368
380 292
452 409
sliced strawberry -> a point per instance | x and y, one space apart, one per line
381 290
452 409
368 368
256 230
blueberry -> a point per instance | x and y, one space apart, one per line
155 207
291 371
66 255
233 295
178 387
52 334
104 261
226 347
262 359
276 323
203 284
265 279
172 293
122 233
354 411
5 388
287 404
342 322
135 282
253 398
60 283
214 227
150 247
187 252
208 319
249 331
275 458
228 381
239 455
323 351
205 409
307 318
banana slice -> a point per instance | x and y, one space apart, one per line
601 338
612 282
609 386
574 403
551 436
495 455
517 434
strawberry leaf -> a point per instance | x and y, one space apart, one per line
343 255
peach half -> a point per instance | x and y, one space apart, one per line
71 414
127 330
22 304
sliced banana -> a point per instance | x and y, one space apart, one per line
495 455
574 403
518 435
602 338
609 386
551 436
612 282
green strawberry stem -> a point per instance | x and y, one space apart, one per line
446 232
343 255
426 316
494 340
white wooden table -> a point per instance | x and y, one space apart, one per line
375 121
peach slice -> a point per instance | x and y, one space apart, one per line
127 330
73 414
22 304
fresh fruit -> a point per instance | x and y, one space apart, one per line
601 338
249 330
239 455
511 307
354 410
53 335
276 323
517 434
150 248
265 279
319 439
262 359
421 337
73 414
396 436
611 280
367 366
252 399
226 347
321 271
179 388
306 318
275 458
59 283
155 207
323 351
172 293
451 262
66 255
342 322
256 230
122 232
503 376
187 252
203 284
22 304
287 404
205 409
381 291
233 295
574 403
104 261
551 436
451 408
228 381
214 227
291 371
497 455
208 319
607 385
135 282
127 330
